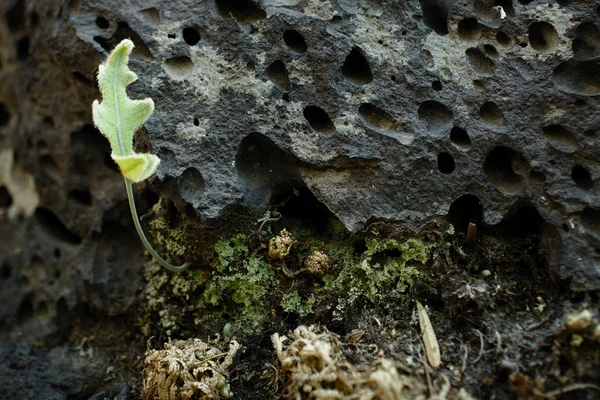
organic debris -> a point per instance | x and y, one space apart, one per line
316 364
579 321
432 348
318 263
280 245
188 369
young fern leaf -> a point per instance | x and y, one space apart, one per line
118 117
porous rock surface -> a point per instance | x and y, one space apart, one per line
384 110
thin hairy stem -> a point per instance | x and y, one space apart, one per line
140 231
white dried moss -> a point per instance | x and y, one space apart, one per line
314 366
188 369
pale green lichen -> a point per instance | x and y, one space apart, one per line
292 302
248 289
228 251
386 269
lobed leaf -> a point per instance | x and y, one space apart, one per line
118 117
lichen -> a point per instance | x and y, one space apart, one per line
173 240
228 251
248 290
386 269
292 302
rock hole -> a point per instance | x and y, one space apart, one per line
498 167
191 185
277 73
506 6
465 210
488 13
295 41
318 119
436 85
82 197
5 197
445 163
490 50
468 29
503 39
479 62
151 16
179 68
90 149
435 15
15 17
123 31
356 68
492 116
537 177
590 219
48 122
53 226
62 318
23 48
560 138
26 311
382 122
300 208
582 177
5 271
4 115
102 23
285 97
436 116
244 11
428 59
460 137
586 45
78 76
191 36
543 37
262 165
590 136
575 77
196 122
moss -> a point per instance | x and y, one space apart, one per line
292 302
386 268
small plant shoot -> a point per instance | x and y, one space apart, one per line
118 117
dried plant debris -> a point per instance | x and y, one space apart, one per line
432 348
188 369
280 245
315 364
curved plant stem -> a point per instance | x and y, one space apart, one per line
140 231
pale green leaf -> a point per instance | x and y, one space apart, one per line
118 116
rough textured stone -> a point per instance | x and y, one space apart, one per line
396 112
